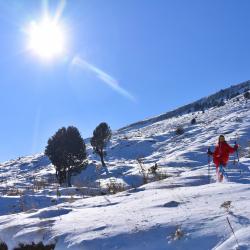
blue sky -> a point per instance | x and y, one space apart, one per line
161 54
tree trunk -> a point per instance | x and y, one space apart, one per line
103 163
64 175
69 178
102 159
59 177
57 174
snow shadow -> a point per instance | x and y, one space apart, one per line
241 219
120 170
106 205
157 237
172 204
51 213
132 149
136 190
238 173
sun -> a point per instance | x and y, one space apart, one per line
46 38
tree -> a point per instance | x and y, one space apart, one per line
221 103
197 106
101 137
193 121
67 152
247 95
179 130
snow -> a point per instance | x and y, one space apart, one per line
182 211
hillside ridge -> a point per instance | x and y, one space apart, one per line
203 103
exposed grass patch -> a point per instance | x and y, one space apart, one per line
114 187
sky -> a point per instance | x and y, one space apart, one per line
124 61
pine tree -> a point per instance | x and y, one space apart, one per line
101 137
67 152
247 95
193 121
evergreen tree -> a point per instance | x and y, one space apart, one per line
193 121
247 95
179 130
67 152
101 137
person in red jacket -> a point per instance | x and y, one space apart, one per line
221 155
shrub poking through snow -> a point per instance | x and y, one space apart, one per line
238 119
247 95
178 234
13 191
101 136
67 151
40 184
160 175
34 246
114 187
153 169
221 103
22 204
226 205
3 246
157 173
142 171
193 121
179 130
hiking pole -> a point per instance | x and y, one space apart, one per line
237 156
235 143
237 152
209 163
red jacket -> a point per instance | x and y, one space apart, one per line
221 153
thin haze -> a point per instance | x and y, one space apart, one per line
106 78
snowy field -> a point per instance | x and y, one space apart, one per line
180 208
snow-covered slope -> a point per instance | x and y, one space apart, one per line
181 209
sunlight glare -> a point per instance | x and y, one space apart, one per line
46 39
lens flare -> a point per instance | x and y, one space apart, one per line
46 38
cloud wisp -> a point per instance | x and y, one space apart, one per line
103 76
